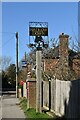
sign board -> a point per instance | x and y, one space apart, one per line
38 31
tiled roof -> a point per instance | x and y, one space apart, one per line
51 53
54 53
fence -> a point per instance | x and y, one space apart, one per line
62 97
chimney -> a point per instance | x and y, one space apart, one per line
63 49
62 70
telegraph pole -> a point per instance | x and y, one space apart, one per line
16 63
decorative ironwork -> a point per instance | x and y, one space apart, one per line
38 24
38 31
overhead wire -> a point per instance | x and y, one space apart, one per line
8 41
8 44
21 45
6 33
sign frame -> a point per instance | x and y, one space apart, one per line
38 29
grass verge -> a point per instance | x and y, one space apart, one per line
31 112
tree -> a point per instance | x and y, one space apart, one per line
4 80
11 73
5 62
22 74
76 50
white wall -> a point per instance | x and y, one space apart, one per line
24 90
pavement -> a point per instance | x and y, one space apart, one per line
0 108
10 108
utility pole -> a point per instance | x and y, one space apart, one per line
16 63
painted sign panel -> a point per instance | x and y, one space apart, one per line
38 31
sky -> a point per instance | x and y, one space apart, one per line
61 17
79 21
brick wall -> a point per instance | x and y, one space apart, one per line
31 93
76 67
63 65
49 64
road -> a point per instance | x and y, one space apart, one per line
10 107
